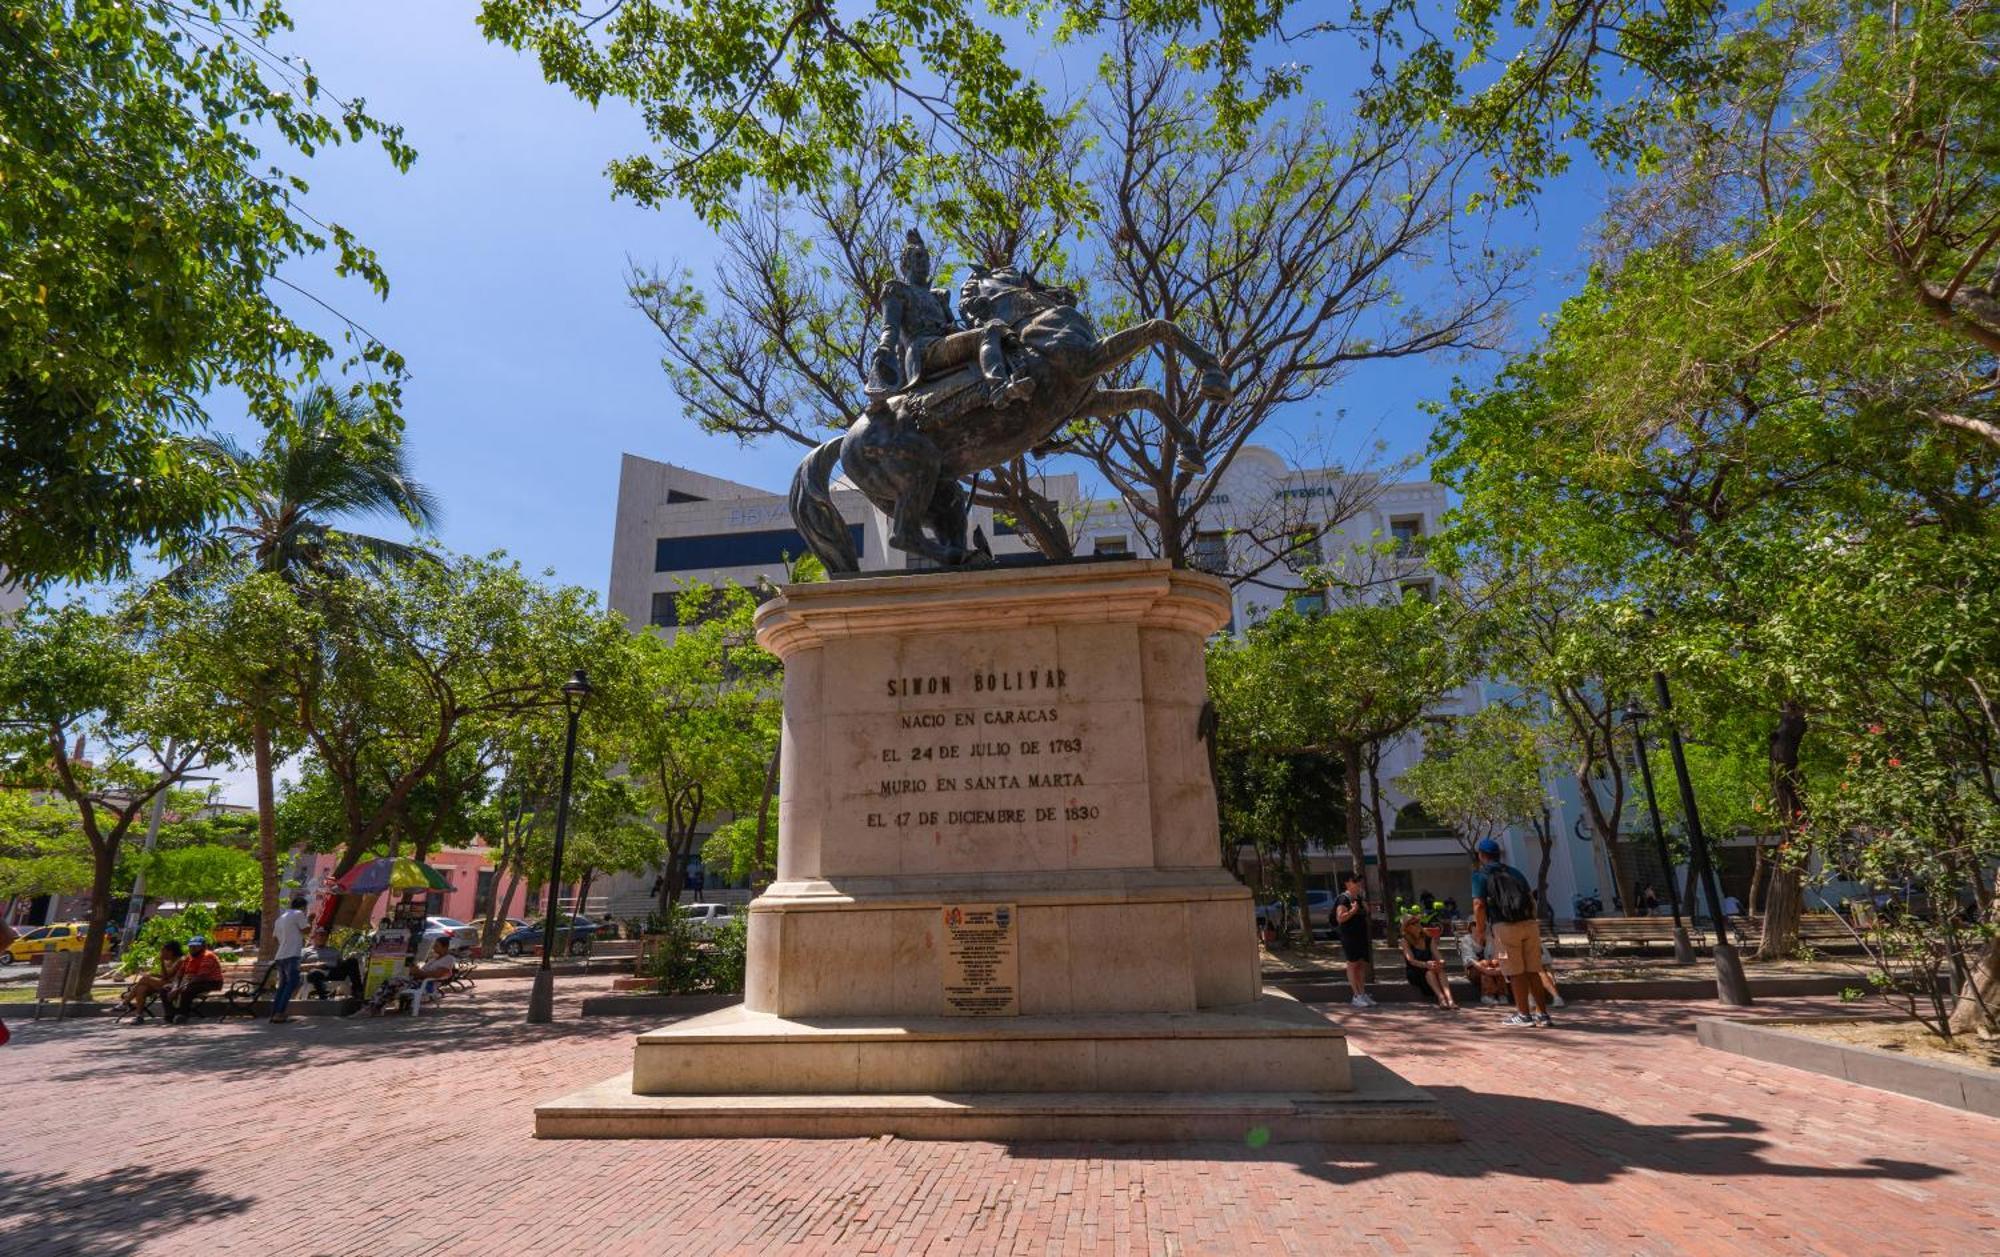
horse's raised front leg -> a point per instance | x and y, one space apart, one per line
1109 403
1127 343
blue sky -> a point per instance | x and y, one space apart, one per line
506 255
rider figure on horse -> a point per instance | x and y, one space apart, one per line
921 340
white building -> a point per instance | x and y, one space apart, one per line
676 526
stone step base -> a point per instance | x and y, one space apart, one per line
1272 1045
1381 1109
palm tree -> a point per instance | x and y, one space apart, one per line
325 462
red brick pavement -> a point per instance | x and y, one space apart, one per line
1614 1133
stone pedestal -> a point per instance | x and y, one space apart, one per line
999 886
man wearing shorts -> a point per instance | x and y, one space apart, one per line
1350 924
1503 908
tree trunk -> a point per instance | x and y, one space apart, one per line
267 835
1350 756
1299 888
489 941
104 863
1978 1007
1760 874
1546 839
1606 829
1785 892
1375 815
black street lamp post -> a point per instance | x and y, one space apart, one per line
542 1000
1683 947
1731 987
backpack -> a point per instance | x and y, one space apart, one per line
1508 895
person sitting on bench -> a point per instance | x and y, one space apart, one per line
147 985
325 966
201 974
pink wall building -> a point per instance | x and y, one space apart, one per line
475 884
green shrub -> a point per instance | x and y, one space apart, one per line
687 964
143 953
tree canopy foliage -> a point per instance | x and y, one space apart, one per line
144 232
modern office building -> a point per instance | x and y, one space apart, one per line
676 526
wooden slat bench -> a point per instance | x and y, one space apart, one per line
1604 933
1822 931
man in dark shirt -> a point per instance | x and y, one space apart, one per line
1350 923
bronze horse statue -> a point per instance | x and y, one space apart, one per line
909 451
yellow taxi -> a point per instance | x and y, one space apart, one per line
43 939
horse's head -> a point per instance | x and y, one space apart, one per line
1004 291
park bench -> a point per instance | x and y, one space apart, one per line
1604 933
1821 931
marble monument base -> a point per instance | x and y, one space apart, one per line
1000 908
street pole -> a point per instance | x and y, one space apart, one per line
1731 987
1683 946
136 906
542 999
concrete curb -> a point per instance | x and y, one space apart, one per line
1322 990
1940 1082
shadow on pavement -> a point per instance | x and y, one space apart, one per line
1574 1143
112 1214
1529 1138
250 1050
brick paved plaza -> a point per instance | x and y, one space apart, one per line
1614 1133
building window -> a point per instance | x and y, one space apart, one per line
1111 545
675 497
666 609
1418 589
1211 552
1407 531
1302 552
736 549
1309 604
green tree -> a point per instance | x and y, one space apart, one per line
93 714
410 671
697 738
322 465
143 228
42 847
1482 775
1332 685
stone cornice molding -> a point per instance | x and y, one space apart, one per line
1151 592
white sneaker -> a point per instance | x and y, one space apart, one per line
1517 1019
1558 1002
1359 1001
1489 999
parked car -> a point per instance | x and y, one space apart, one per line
708 919
1318 902
464 937
507 925
528 938
65 936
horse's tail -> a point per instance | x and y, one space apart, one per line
823 527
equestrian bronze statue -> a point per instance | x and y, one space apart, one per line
951 397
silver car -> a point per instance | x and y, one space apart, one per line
707 919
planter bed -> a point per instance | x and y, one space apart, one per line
656 1005
1973 1088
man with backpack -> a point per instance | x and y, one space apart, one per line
1503 907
